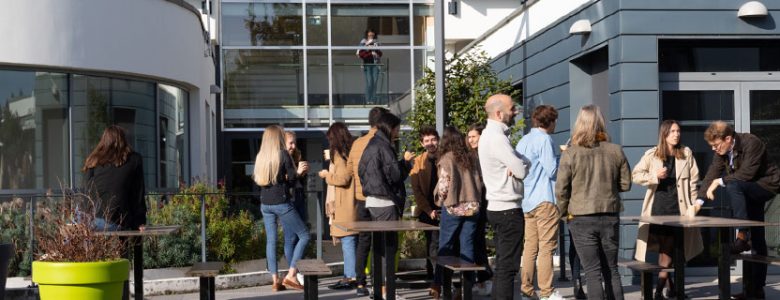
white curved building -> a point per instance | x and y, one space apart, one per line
69 67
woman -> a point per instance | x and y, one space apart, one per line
593 205
458 192
275 174
115 179
343 207
382 177
371 58
484 285
670 173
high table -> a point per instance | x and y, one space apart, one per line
136 239
679 223
377 230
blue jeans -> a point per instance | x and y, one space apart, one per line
348 246
290 222
372 75
291 237
103 224
456 230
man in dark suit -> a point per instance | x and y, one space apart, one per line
742 166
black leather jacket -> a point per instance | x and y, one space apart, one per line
381 173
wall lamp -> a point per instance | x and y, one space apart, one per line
580 27
752 9
215 89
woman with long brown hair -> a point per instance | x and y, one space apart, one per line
670 174
340 206
275 174
114 177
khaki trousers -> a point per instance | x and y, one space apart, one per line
541 240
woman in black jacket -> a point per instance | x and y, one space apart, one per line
115 180
383 175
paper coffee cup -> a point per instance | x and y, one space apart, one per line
326 154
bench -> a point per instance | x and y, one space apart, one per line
646 271
206 271
746 268
451 264
310 269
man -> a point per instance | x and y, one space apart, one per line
541 213
742 166
503 171
424 178
364 238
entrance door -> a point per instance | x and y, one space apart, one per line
749 105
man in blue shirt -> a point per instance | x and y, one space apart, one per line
539 209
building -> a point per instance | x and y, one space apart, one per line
69 68
646 61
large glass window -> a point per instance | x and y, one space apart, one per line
350 22
262 24
258 78
718 55
358 83
33 130
173 142
316 24
423 25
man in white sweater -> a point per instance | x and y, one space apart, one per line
503 171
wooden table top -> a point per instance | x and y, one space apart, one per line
457 264
381 226
148 231
206 269
695 222
312 267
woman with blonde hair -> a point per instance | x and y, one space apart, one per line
275 174
670 174
591 175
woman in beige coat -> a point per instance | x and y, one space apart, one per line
340 204
670 174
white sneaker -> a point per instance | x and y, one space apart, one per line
299 276
554 296
485 290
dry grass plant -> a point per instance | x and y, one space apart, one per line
65 232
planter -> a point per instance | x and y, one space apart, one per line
6 255
82 281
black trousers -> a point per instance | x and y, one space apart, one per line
363 244
509 226
597 238
431 243
747 202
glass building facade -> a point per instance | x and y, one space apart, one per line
51 121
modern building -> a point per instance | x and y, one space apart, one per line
646 61
69 68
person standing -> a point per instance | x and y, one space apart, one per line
591 174
371 57
483 286
275 174
114 177
343 208
382 176
670 173
503 171
423 177
741 165
458 193
353 162
540 212
302 169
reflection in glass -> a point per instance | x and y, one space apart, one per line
350 21
765 123
698 105
423 25
262 78
316 24
262 24
33 130
351 83
693 55
173 141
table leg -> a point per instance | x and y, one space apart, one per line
138 267
467 284
390 265
376 265
724 264
679 262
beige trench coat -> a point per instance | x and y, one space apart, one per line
344 207
687 174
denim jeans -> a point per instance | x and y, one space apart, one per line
747 202
371 73
597 238
103 224
299 203
290 220
456 232
363 244
508 226
348 247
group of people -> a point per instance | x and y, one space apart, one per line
464 181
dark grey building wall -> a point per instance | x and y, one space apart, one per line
629 30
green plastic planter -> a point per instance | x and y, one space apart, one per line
80 281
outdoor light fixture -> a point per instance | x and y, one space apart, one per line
580 27
752 9
452 7
215 89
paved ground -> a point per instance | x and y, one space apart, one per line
697 288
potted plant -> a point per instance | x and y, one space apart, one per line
74 259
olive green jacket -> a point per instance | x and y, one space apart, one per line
590 180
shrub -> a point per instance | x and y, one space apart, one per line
14 223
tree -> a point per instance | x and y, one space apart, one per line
469 81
